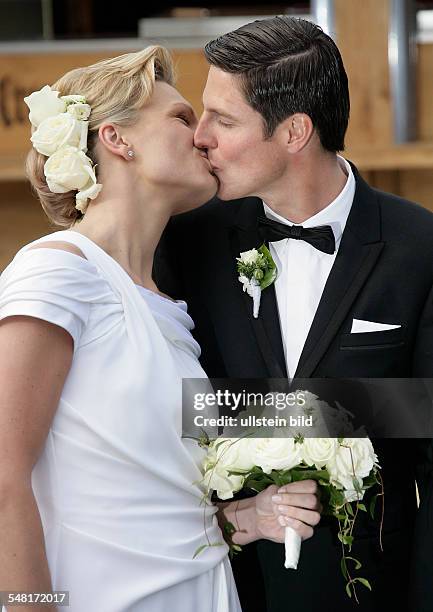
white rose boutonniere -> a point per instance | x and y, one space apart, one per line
257 270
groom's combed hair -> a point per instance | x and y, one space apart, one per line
288 65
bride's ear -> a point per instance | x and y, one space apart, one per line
113 141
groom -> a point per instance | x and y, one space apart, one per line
351 300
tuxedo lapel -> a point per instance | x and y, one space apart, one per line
266 328
358 253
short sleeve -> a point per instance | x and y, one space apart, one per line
53 285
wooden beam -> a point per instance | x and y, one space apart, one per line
362 37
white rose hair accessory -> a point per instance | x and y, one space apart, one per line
60 133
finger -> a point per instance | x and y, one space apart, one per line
302 486
300 500
309 517
305 531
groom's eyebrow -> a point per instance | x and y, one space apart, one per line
220 113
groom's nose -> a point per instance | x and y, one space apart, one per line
202 136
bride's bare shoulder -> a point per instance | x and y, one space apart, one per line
63 246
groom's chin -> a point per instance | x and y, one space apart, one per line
225 193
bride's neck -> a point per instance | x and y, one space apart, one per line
128 233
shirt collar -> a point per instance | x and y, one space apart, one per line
334 214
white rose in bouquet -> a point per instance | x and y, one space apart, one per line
226 455
275 453
260 462
43 104
318 451
353 461
59 131
68 168
218 479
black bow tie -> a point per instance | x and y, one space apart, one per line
321 237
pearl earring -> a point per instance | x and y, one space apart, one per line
130 153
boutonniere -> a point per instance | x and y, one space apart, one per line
257 270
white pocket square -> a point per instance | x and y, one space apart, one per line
359 326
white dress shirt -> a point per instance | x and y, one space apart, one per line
303 270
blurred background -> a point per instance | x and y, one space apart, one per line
387 48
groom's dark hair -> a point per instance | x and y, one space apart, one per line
288 65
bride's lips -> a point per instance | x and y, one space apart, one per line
205 157
203 154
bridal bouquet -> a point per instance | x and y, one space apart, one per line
344 469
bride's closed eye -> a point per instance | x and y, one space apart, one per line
184 118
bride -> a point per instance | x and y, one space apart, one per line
98 491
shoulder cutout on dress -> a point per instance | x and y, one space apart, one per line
62 246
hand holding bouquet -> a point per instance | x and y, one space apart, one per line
344 468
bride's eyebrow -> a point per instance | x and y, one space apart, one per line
183 108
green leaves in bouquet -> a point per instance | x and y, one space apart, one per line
229 529
351 588
258 480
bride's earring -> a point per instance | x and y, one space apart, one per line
130 153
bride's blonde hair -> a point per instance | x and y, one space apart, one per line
116 90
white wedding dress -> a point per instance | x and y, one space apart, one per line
116 486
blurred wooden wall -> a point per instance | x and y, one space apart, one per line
361 34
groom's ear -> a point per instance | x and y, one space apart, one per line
111 138
297 131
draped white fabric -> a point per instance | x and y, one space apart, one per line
116 486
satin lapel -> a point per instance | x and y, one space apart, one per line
266 327
358 253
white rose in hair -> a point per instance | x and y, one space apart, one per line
354 459
275 453
318 451
68 168
43 104
56 132
81 112
89 192
74 99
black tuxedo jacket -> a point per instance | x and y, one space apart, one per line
383 272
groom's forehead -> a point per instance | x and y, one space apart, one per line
223 92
